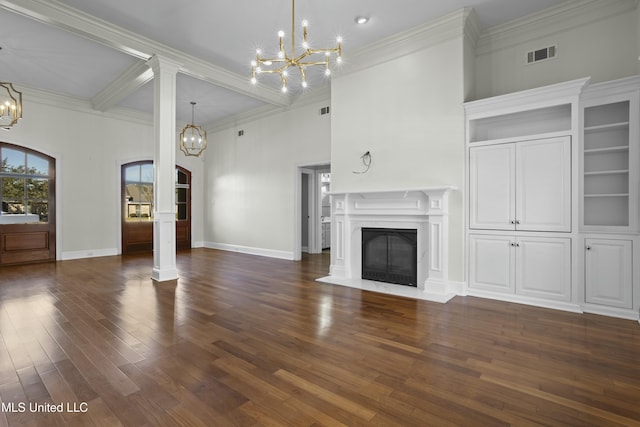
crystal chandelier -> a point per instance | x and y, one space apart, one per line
305 58
193 139
10 105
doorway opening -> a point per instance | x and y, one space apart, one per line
313 210
137 207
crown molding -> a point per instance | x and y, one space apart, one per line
472 27
615 87
242 118
407 42
61 16
80 105
555 94
555 19
71 103
456 24
302 100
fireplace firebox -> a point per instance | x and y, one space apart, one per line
390 255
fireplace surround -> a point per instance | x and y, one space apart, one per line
425 210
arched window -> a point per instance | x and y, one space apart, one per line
27 214
138 189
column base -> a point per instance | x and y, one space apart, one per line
160 275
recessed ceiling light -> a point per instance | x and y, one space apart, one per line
362 19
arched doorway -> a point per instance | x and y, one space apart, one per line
137 207
27 214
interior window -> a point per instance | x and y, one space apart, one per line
139 192
182 194
24 186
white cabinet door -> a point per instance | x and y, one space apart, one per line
608 272
543 185
491 263
522 186
543 267
492 187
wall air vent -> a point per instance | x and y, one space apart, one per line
324 110
542 54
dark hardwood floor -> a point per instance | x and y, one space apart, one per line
251 341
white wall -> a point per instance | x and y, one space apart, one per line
469 69
89 148
596 39
408 114
251 180
638 40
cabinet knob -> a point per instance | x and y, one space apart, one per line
588 248
518 244
513 221
517 221
513 243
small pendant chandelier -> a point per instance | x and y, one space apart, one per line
193 138
306 57
10 105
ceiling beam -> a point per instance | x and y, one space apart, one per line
77 22
122 86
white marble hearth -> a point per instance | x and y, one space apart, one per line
385 288
424 210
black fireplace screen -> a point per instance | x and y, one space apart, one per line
390 255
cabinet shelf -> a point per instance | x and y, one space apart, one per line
618 149
608 195
608 172
609 162
606 127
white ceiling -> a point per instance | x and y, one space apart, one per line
80 47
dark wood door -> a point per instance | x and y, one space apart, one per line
137 209
183 208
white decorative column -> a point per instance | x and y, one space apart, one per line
437 282
164 162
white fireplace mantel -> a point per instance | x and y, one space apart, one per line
424 209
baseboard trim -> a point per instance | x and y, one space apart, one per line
270 253
197 244
621 313
555 305
89 253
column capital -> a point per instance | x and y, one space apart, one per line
161 63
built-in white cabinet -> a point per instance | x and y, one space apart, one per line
608 265
523 186
492 263
543 267
610 157
529 266
609 189
554 197
492 201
